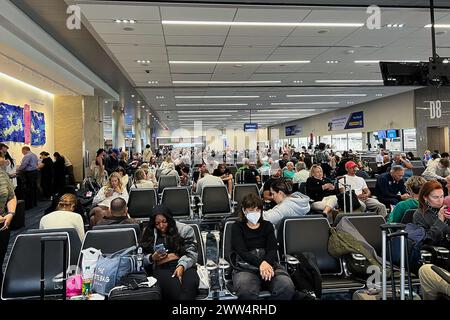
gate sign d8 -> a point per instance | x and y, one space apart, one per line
435 109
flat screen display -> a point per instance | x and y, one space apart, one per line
392 134
382 134
250 127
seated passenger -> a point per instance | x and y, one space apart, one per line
321 191
64 217
385 166
123 176
288 171
119 214
413 186
275 174
140 180
432 214
288 204
402 161
223 173
173 265
207 180
390 187
105 195
437 169
253 240
167 164
433 286
362 191
302 173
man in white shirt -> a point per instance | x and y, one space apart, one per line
359 185
435 168
208 180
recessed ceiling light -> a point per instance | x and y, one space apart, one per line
160 97
298 81
153 82
226 82
262 24
379 95
214 97
272 96
332 61
242 62
143 61
132 95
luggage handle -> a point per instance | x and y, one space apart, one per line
44 240
394 226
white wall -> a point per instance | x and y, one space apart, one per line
395 112
16 93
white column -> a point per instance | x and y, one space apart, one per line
137 129
118 126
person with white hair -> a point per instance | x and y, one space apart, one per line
302 173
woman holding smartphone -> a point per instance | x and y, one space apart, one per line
432 214
171 255
102 201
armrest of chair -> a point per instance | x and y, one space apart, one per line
358 257
211 265
291 260
224 264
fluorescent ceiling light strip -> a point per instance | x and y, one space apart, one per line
349 81
3 75
378 61
262 24
214 97
226 82
242 62
210 104
446 26
326 95
302 103
209 111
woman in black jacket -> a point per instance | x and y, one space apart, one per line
46 169
253 241
432 214
59 171
321 191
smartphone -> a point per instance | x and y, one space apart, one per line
160 248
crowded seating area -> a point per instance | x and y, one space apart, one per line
232 151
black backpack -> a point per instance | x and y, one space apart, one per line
306 275
354 199
248 176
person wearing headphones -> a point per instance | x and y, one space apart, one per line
289 204
413 185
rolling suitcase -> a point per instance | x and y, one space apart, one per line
44 240
390 232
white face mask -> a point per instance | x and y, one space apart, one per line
253 217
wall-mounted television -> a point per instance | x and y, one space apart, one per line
392 134
381 134
250 127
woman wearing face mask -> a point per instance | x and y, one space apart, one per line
432 214
253 240
171 254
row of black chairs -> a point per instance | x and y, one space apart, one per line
23 270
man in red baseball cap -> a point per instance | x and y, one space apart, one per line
362 191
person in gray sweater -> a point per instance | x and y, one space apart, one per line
432 214
288 204
171 254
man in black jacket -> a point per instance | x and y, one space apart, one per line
390 187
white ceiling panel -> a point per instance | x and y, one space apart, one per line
310 41
152 29
271 15
122 11
196 77
195 40
327 32
253 41
188 51
139 49
246 51
132 39
338 15
383 37
197 13
260 31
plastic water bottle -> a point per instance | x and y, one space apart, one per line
87 283
140 259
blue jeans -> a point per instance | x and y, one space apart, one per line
248 285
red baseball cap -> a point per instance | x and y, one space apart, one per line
350 164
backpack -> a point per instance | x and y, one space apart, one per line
306 275
248 176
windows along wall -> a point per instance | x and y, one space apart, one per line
16 93
394 112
